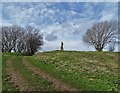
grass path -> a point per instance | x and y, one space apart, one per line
57 84
39 83
6 85
16 78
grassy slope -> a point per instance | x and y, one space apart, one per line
33 79
92 71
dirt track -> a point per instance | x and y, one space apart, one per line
16 78
57 84
23 85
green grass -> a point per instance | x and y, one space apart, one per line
89 71
6 85
34 80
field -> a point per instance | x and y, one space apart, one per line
61 71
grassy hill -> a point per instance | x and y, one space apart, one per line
85 71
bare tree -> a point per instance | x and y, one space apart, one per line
111 47
0 38
10 35
32 40
6 39
17 33
101 34
22 40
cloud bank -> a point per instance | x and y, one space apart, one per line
59 21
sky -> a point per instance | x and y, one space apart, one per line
64 22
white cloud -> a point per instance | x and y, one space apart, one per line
70 30
20 15
68 45
110 12
66 32
89 11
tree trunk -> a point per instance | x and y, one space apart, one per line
99 49
10 50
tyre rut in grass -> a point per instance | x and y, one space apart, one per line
39 83
57 84
16 78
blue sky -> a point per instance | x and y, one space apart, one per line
59 21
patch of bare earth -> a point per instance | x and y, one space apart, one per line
57 84
16 78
